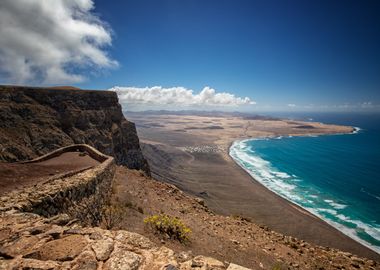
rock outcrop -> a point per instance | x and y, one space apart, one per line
34 121
57 243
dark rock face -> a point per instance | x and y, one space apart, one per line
35 121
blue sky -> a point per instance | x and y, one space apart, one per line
312 54
275 52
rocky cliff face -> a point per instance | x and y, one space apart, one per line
34 121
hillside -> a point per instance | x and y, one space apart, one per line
41 226
233 238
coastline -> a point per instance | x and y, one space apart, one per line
323 233
225 187
304 210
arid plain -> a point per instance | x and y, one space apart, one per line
191 152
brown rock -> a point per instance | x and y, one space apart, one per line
55 232
123 260
203 262
85 261
21 246
103 249
133 239
163 256
233 266
65 249
61 219
38 265
8 264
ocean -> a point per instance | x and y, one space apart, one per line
335 177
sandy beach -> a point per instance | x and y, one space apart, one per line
191 152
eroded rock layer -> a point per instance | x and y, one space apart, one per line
35 121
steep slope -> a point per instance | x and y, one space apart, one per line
34 121
233 239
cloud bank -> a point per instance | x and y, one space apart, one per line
177 96
51 42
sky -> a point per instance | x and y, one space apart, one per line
205 54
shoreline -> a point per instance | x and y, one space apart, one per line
363 250
226 188
297 206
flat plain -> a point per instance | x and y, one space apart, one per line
191 152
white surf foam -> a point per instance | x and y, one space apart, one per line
335 204
356 130
330 211
350 232
282 184
282 174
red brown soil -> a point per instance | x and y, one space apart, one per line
226 238
20 175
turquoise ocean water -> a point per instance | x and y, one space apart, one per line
336 177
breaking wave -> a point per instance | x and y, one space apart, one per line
289 186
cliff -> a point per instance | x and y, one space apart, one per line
34 121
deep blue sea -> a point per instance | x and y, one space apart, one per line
336 177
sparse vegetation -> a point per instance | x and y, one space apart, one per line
134 206
171 226
112 215
276 267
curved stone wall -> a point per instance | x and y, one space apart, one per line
81 195
91 151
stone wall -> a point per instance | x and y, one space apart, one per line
41 227
92 152
81 195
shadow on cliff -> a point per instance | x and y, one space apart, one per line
35 121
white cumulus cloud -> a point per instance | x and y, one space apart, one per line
181 96
51 42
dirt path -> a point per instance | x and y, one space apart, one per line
17 175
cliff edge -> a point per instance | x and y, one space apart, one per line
35 121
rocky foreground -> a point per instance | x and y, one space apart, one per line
31 242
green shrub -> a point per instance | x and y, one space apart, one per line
171 226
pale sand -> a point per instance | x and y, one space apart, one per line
192 153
